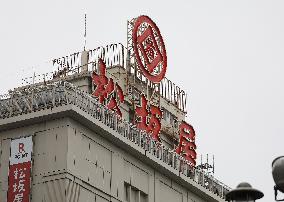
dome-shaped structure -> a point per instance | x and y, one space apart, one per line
278 172
244 191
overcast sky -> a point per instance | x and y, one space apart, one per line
227 55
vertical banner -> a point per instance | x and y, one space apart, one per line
20 170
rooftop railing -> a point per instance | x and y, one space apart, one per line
39 97
113 55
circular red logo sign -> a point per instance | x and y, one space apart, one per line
149 49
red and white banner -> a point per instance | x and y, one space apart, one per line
20 170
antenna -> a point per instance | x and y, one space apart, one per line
207 167
207 158
213 164
33 75
85 34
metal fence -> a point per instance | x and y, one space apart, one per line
39 97
113 55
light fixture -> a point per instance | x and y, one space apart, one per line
278 175
244 193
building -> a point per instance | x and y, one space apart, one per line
77 149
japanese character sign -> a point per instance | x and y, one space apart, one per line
108 93
149 49
20 170
19 182
150 120
187 146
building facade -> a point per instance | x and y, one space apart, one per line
82 151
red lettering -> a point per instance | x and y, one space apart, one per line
152 125
187 146
21 148
106 91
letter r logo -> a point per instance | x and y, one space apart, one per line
21 148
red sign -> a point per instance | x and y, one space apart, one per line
20 170
149 49
105 87
150 53
150 120
187 146
19 182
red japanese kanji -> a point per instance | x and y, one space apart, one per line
187 145
113 103
149 49
19 182
151 125
105 87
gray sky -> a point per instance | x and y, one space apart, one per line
226 54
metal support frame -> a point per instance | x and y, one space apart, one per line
276 193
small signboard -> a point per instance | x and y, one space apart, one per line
20 170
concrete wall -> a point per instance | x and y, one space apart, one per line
73 163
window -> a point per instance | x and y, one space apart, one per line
132 194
